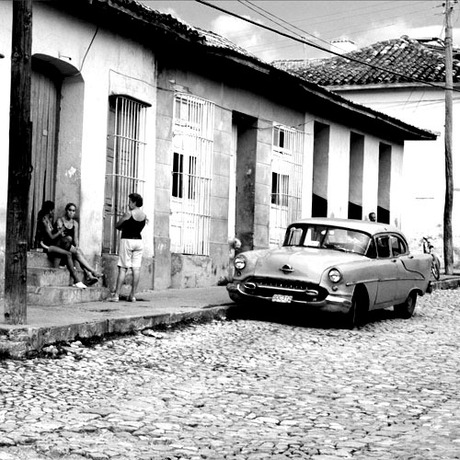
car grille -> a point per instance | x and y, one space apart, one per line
300 290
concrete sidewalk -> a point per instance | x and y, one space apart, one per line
54 324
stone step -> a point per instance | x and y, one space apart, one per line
64 295
36 258
49 286
45 276
41 276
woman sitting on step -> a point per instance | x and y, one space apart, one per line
48 239
69 227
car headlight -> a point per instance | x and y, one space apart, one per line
334 275
240 263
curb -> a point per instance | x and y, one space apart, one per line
24 342
450 283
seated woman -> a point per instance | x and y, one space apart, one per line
48 239
69 227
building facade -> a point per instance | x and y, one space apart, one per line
219 144
404 78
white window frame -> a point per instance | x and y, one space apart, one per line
288 149
193 132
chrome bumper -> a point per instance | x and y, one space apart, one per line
334 303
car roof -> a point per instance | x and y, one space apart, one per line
351 224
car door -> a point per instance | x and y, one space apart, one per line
387 271
408 268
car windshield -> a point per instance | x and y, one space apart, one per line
325 237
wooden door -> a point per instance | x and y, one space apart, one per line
44 115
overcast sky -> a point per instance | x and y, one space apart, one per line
363 22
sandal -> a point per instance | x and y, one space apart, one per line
91 281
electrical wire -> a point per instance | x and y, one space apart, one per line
355 14
87 49
314 45
258 9
290 24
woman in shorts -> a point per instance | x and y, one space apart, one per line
131 225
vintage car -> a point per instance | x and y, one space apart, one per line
334 265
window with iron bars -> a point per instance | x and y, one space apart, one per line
191 175
125 162
286 189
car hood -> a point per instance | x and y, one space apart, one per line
301 263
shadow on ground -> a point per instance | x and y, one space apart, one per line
301 318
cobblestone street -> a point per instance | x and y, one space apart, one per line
246 389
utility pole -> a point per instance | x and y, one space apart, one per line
449 196
19 164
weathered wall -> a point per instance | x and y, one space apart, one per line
421 198
253 181
94 64
253 173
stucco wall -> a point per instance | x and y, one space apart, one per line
95 64
421 197
229 99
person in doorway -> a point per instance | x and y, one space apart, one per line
131 225
47 238
372 217
70 240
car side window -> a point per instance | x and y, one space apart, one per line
398 246
383 246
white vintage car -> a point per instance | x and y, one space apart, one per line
335 265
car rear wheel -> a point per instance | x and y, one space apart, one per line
406 310
436 267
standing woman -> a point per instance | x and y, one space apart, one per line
48 239
131 225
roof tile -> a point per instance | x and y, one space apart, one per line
406 60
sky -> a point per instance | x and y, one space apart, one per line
320 22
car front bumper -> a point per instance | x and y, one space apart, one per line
334 302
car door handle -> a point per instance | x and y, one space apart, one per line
394 261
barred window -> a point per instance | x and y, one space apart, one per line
280 189
191 174
286 188
125 162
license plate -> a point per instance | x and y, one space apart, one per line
282 298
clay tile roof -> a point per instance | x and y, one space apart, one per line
206 37
217 41
143 14
411 59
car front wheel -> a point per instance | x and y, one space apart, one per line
406 310
356 316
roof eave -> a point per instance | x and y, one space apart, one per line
392 86
148 19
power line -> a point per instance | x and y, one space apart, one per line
255 7
353 14
314 45
261 47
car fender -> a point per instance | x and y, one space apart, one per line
354 274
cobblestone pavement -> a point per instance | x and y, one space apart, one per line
246 389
